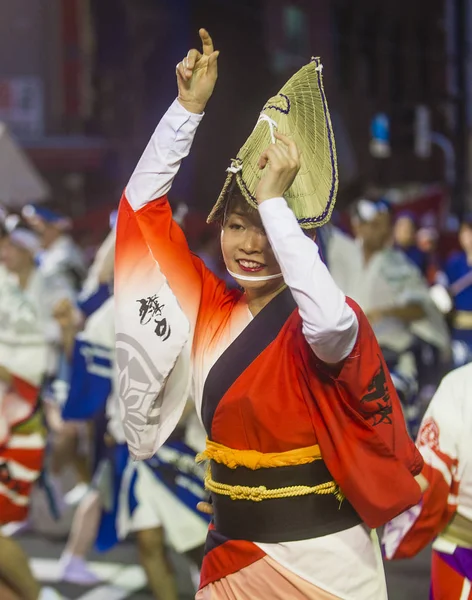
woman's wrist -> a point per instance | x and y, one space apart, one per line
192 106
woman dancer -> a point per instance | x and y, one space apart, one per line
307 445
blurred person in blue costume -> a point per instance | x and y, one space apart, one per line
404 233
62 265
155 499
457 279
59 255
98 285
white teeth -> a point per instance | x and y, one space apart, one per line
250 265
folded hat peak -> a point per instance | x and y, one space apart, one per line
300 110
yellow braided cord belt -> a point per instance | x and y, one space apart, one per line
251 459
257 494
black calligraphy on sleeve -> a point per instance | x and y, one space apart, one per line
151 311
377 403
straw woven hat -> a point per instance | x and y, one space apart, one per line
299 110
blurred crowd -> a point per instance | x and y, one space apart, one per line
57 344
418 297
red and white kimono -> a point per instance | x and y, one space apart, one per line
23 353
445 443
258 383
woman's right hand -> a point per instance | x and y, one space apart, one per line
197 74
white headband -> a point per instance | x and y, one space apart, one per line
25 239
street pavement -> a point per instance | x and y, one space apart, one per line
123 578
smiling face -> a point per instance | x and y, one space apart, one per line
246 249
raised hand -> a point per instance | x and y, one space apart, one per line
281 163
197 74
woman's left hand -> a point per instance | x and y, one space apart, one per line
205 508
281 163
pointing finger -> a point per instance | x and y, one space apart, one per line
213 62
207 42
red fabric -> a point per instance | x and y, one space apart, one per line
437 508
364 443
11 513
14 492
25 390
18 404
446 582
227 558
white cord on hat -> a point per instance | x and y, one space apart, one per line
272 124
255 277
234 169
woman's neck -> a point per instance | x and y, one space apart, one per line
256 302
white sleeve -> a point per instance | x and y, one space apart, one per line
445 412
330 325
160 162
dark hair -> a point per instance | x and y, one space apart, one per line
236 201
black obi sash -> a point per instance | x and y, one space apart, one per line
280 519
275 520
